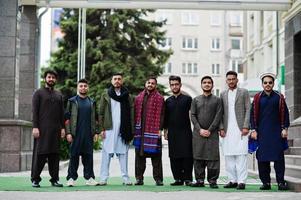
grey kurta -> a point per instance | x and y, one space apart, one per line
206 112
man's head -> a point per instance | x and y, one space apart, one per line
117 80
267 83
151 84
207 83
50 77
175 84
231 79
82 87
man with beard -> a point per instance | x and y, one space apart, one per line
148 123
116 114
206 111
177 130
269 124
234 129
81 128
48 127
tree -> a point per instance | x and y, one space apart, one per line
116 41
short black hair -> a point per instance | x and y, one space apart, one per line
117 74
207 77
152 77
231 73
50 71
83 80
175 78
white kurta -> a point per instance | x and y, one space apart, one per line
234 143
113 142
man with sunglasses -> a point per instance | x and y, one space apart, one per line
269 123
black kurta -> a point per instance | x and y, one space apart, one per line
177 122
48 117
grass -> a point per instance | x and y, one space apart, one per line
114 184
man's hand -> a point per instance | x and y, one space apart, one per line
69 138
35 133
165 134
284 133
245 131
103 134
63 133
254 135
222 133
95 138
204 133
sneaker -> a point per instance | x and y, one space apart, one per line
91 182
70 183
102 183
283 186
56 184
128 183
35 184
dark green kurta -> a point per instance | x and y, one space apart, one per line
206 112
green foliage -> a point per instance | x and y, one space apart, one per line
64 150
116 41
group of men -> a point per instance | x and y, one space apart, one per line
122 119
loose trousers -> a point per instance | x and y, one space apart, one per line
264 169
213 169
140 165
105 166
87 160
236 168
181 168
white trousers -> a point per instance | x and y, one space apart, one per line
105 166
236 168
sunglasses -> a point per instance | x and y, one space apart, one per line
270 82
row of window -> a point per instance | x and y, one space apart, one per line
193 18
191 43
189 68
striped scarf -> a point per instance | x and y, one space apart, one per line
151 135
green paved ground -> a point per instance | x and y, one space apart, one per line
114 184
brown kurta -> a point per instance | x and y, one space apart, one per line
206 112
48 116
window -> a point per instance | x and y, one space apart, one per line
235 43
189 43
237 66
216 92
190 18
162 16
235 19
215 19
215 69
190 68
215 44
167 68
166 44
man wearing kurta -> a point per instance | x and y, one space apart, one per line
269 124
81 128
177 130
234 129
116 128
206 111
148 123
48 128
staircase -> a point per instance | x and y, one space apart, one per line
292 159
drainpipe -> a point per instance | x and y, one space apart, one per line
277 43
38 46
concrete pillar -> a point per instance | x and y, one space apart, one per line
17 83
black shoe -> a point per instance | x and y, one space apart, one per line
159 183
213 185
56 184
230 185
197 184
241 186
139 182
265 186
35 184
177 182
283 186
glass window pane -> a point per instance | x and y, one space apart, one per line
189 43
189 70
184 68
